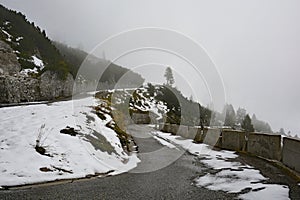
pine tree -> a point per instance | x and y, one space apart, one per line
247 124
44 33
281 131
240 115
229 115
169 76
260 126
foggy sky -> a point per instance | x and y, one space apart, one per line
255 44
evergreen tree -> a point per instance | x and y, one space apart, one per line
169 76
229 115
254 118
260 126
44 33
151 89
281 131
247 124
240 115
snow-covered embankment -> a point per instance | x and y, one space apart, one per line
95 149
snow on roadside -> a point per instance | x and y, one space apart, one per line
271 191
165 143
70 156
232 177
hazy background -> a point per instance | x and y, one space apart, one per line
254 43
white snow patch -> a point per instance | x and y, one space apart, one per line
143 103
39 66
8 35
20 163
232 181
26 72
38 62
270 192
233 176
19 38
164 142
196 149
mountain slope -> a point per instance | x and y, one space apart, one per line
33 69
93 65
30 43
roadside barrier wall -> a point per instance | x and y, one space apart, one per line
265 145
291 153
234 140
192 132
183 131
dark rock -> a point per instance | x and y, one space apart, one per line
40 150
45 169
69 131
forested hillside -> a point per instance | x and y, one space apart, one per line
32 68
111 73
36 53
29 42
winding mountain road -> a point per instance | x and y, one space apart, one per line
164 173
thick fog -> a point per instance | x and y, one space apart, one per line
255 44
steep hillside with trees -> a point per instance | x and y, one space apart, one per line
33 69
93 65
28 42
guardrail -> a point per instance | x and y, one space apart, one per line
270 146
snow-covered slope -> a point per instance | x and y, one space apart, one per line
144 101
14 41
139 100
95 148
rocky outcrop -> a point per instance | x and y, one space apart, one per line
16 89
52 87
9 64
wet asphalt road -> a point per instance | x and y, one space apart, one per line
164 173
